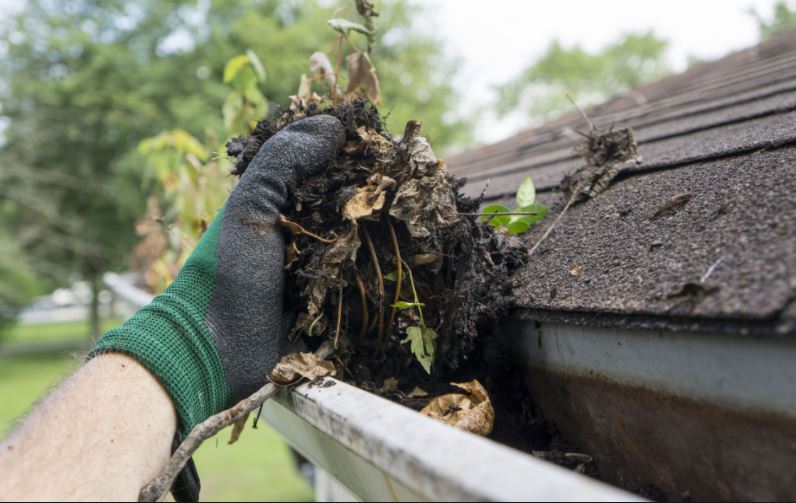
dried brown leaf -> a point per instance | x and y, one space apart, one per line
364 203
297 366
427 205
362 79
472 412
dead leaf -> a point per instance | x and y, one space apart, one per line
418 392
575 271
322 67
427 205
390 384
237 429
363 204
472 412
294 367
362 79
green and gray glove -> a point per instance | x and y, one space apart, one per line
213 335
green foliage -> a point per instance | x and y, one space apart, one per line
422 339
542 88
18 283
83 82
518 220
784 18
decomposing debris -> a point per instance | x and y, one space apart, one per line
472 412
297 366
605 151
382 259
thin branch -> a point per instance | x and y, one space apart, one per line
398 276
364 300
553 225
582 113
379 278
339 314
160 485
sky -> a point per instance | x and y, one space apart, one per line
496 39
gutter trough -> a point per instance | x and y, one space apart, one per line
381 451
677 416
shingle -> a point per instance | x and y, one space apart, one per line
724 133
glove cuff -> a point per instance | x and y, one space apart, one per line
170 338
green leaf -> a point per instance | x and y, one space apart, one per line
517 227
259 69
422 344
498 221
344 26
526 193
402 304
234 66
393 276
521 223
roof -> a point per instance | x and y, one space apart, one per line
701 232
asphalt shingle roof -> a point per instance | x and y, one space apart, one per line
724 135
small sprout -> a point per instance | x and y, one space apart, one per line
521 219
403 305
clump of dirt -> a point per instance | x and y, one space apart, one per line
385 257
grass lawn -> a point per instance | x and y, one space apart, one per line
61 331
257 467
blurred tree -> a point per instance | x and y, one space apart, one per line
83 81
542 88
784 18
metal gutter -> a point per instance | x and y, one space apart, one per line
380 450
676 415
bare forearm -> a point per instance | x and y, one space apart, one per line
101 435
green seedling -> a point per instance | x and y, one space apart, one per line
421 339
518 220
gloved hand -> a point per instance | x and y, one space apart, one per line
213 335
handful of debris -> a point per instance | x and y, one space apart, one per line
385 257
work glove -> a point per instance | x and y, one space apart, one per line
213 335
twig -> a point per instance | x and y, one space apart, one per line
296 228
398 276
379 278
364 300
582 113
160 485
339 314
711 269
553 225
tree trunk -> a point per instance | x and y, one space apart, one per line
95 330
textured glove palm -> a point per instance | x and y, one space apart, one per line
215 332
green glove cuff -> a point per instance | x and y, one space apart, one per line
170 338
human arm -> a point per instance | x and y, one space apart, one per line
101 435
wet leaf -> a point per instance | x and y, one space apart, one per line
362 79
422 344
427 205
294 367
526 193
472 412
364 203
343 26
